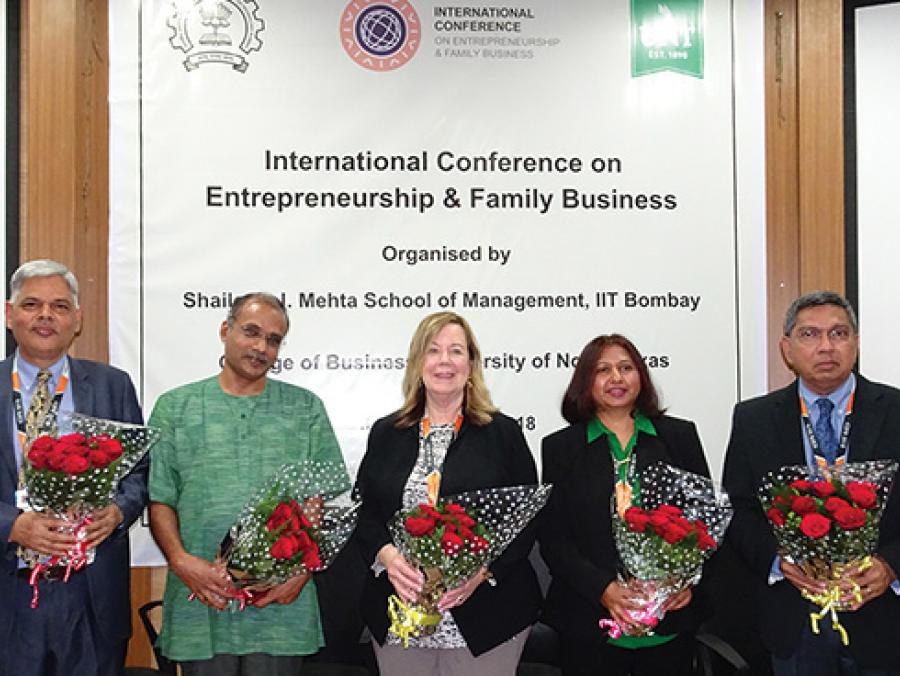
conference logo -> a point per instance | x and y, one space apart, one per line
380 34
216 31
667 35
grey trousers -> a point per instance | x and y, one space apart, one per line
394 660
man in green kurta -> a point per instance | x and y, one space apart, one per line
221 439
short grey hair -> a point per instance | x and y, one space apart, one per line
259 297
816 299
43 267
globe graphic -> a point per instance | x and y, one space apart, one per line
380 30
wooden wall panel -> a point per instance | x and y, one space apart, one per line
804 158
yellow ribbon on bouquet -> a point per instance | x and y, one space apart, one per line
407 621
830 602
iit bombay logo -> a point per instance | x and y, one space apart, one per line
226 31
380 34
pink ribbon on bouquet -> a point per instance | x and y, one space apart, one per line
614 629
77 559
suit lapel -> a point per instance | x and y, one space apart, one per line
869 410
7 441
789 434
82 387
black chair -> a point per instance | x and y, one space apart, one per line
166 666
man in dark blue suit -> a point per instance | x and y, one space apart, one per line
828 416
80 627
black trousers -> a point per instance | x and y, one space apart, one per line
597 658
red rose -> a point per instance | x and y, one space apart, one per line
428 510
675 533
285 547
38 459
73 440
637 519
781 501
75 464
311 559
801 485
706 541
417 527
79 450
823 488
98 459
55 460
42 444
478 545
836 504
815 525
280 515
466 533
863 494
110 446
465 521
453 508
669 510
304 541
850 518
776 516
451 543
804 504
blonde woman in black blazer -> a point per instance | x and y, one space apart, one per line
486 620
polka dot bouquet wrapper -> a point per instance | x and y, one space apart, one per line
296 522
74 473
825 520
452 540
664 541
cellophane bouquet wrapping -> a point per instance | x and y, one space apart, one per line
77 472
297 521
826 521
452 540
663 543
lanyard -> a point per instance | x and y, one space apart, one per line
19 408
840 455
433 481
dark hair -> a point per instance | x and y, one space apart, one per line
263 297
578 403
817 299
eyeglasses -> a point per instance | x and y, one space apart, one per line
811 335
253 332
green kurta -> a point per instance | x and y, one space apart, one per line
216 450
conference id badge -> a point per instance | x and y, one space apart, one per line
623 497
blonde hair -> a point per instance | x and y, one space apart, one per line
477 407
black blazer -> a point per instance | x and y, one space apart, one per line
766 435
486 456
577 540
105 392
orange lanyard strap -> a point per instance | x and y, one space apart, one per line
433 481
19 404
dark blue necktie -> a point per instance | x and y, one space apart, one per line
824 431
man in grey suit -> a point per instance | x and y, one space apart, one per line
80 627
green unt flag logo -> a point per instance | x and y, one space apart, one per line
667 35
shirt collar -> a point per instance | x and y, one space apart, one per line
839 397
596 429
28 372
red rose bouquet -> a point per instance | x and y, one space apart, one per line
296 522
76 473
452 540
664 543
827 522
